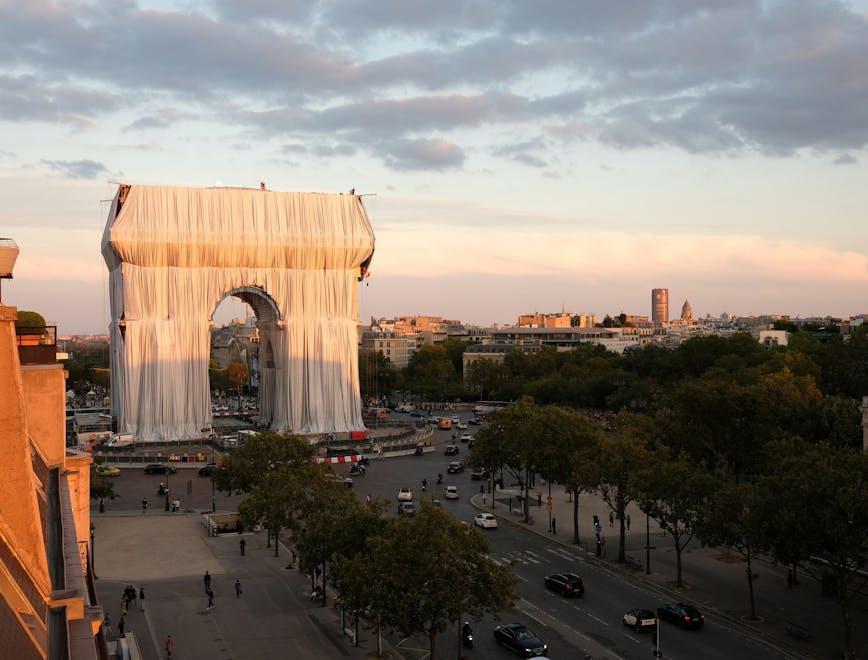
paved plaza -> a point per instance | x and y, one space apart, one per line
168 556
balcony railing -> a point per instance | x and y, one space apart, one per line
37 345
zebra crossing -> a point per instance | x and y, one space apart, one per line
529 557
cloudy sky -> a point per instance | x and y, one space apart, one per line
523 155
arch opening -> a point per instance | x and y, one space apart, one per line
242 324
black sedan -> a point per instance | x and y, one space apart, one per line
207 470
681 614
159 468
455 467
566 584
450 450
520 640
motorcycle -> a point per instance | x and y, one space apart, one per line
467 636
439 479
357 469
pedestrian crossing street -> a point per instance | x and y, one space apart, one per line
552 556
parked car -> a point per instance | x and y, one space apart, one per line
520 640
207 470
466 437
159 468
405 494
455 467
107 471
681 614
566 584
451 493
450 450
341 480
479 473
485 520
640 619
406 509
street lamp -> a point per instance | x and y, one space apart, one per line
92 552
168 472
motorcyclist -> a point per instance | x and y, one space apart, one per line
439 478
424 485
466 630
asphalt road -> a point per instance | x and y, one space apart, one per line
571 627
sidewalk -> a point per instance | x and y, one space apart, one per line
714 579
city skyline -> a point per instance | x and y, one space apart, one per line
516 162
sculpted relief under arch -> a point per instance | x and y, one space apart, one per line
174 253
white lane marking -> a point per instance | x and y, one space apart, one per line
526 613
496 561
595 618
532 560
533 554
630 637
519 576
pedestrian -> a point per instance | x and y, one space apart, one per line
238 588
123 604
554 526
207 580
368 499
142 598
611 519
316 573
627 520
539 499
144 504
107 623
121 626
210 599
242 544
102 505
293 555
481 488
170 646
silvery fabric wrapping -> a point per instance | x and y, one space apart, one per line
174 253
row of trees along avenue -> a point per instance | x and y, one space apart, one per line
723 465
391 570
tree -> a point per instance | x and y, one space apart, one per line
236 374
621 458
275 470
815 504
569 443
485 377
376 374
673 491
27 319
510 440
334 524
416 591
734 518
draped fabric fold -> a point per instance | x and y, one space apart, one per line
175 253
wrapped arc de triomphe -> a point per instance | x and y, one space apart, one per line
174 253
